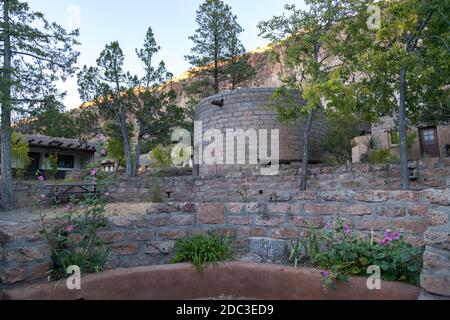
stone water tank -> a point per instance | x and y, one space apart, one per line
247 108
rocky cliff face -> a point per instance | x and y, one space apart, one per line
268 74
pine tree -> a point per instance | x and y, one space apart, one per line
35 54
217 52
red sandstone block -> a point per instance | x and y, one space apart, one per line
337 195
172 234
322 209
120 221
112 236
140 222
307 195
285 233
234 207
247 232
270 220
403 195
415 241
435 261
158 220
40 270
188 207
141 235
437 218
410 226
211 213
372 196
306 221
229 232
125 248
391 211
418 210
357 210
372 224
19 255
13 275
438 239
436 284
239 220
182 220
278 207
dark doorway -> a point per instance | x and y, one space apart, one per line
34 165
429 142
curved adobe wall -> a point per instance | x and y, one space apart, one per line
247 108
237 279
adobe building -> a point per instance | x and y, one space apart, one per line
432 140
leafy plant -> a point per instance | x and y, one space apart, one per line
73 235
53 163
243 193
155 192
161 158
19 151
382 156
342 254
202 249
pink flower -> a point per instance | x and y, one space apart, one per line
396 235
385 241
94 172
107 194
67 208
329 226
69 229
103 152
346 229
43 197
41 179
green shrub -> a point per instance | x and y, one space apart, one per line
161 158
382 156
73 236
342 253
202 249
154 193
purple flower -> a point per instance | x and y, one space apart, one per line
43 197
41 179
107 194
329 226
94 172
346 229
324 273
103 152
396 235
67 208
69 229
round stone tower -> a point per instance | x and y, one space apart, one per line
247 109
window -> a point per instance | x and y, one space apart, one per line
428 136
66 161
394 138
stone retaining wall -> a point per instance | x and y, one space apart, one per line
137 240
432 173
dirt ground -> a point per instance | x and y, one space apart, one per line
111 209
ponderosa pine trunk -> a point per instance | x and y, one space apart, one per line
137 150
7 193
126 142
306 147
403 130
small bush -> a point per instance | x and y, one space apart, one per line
161 158
154 193
382 156
203 249
340 253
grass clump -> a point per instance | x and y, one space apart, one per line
201 250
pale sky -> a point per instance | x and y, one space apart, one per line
173 21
